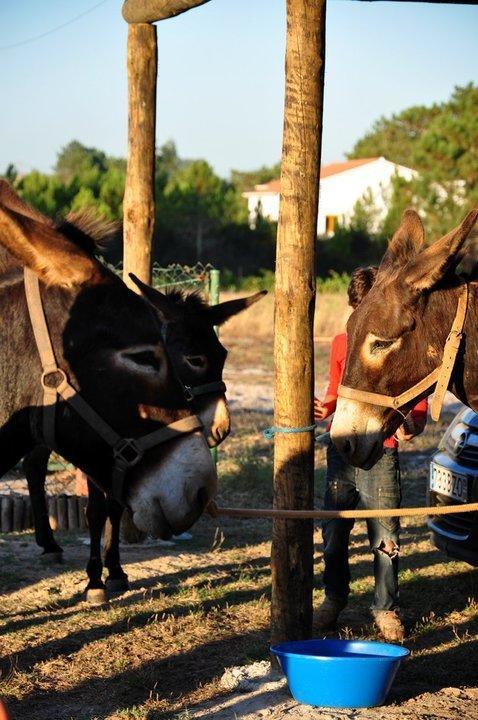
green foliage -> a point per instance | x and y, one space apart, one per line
264 280
11 173
440 143
334 283
199 216
349 248
76 160
394 138
245 180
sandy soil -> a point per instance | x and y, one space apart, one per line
269 698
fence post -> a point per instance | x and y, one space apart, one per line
138 204
214 287
292 541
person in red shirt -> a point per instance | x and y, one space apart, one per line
347 486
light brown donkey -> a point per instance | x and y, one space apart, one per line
397 336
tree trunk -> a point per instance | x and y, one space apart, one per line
292 541
138 206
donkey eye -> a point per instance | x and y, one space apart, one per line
196 362
378 345
145 358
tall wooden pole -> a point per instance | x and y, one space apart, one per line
292 541
138 205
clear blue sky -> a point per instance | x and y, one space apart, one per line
220 84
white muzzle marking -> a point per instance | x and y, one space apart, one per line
171 494
357 432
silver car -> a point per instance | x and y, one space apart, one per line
454 479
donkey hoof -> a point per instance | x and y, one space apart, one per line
52 558
96 596
117 585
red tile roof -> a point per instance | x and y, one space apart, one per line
273 186
336 168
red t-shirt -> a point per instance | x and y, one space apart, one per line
338 354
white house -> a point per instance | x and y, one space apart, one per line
341 185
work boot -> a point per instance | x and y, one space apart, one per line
327 614
390 625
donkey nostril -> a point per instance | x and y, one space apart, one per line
202 498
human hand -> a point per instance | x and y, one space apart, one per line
404 435
411 428
320 410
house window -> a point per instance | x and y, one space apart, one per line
330 222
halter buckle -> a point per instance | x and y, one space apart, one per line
53 379
188 393
128 452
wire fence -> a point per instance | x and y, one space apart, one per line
186 277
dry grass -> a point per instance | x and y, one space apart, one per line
258 322
159 651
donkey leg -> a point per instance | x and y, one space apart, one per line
117 580
35 467
96 515
16 441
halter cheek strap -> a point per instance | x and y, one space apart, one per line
441 375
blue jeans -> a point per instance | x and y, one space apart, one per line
346 487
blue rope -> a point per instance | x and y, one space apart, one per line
271 431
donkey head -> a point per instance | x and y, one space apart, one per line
396 335
195 354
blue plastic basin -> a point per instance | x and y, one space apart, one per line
339 673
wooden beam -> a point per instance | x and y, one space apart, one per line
138 205
435 2
292 542
148 11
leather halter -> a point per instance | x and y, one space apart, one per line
440 375
127 452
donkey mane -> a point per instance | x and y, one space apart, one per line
88 231
192 302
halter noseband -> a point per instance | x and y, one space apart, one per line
127 452
440 375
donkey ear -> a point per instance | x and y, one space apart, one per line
431 265
47 252
166 309
218 314
12 201
406 242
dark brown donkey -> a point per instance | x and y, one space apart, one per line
109 343
197 359
397 335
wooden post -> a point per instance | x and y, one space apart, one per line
17 513
7 514
82 502
27 513
62 512
138 205
72 512
292 541
145 11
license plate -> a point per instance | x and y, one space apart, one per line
448 483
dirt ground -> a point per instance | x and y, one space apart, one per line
159 650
